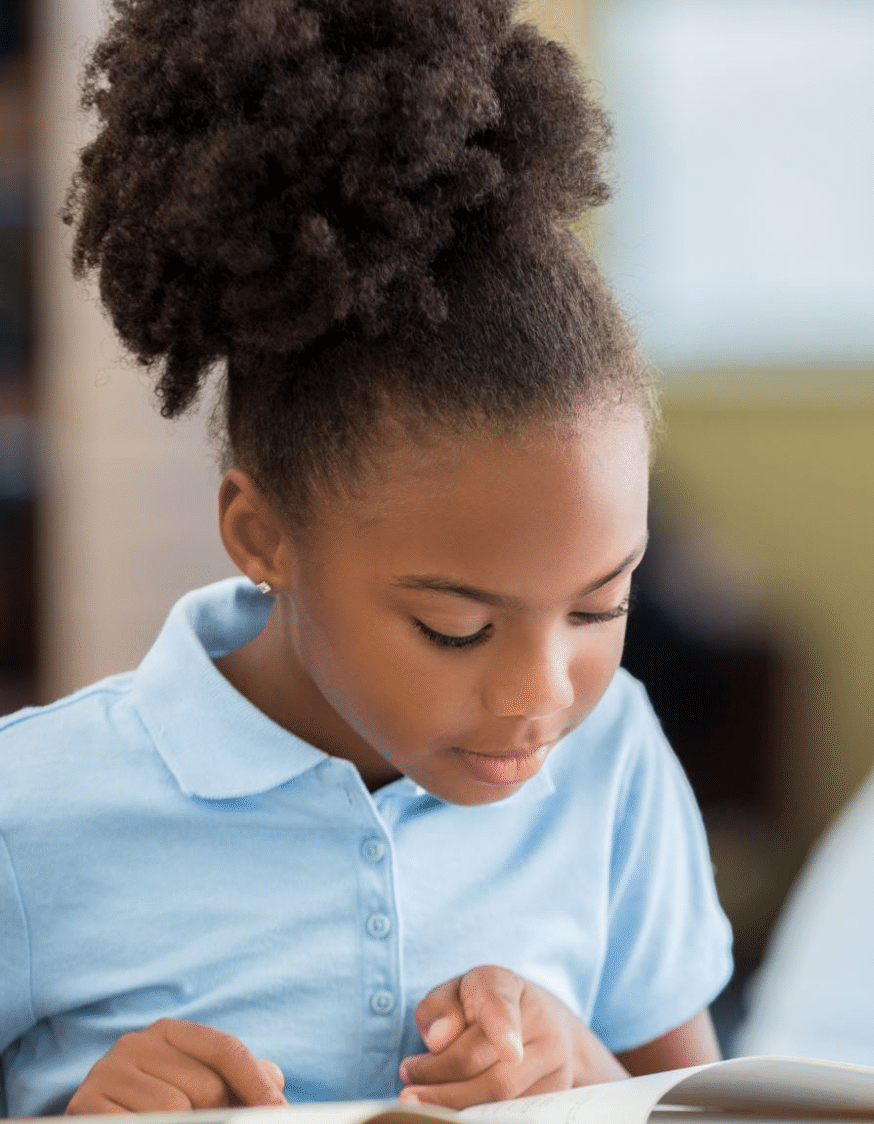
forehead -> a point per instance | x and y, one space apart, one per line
515 513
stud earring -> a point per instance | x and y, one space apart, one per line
265 587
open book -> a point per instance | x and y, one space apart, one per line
747 1090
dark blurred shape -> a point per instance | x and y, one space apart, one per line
18 568
713 680
18 460
15 289
12 29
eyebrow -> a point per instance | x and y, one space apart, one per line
438 584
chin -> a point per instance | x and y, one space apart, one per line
468 796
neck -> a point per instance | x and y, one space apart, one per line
269 675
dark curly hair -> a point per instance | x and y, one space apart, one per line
354 205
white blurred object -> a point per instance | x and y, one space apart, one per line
743 232
814 993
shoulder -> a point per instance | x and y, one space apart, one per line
618 771
620 736
102 715
39 726
47 749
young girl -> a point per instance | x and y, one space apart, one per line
383 810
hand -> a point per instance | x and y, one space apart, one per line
173 1066
492 1035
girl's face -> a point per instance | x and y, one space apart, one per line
468 608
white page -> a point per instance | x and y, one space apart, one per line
630 1102
769 1083
662 1115
763 1084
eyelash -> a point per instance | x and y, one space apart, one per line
444 641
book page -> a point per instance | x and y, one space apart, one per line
628 1102
339 1112
771 1083
767 1086
319 1112
662 1115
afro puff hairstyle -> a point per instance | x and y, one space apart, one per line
350 204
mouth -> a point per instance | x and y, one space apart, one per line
504 769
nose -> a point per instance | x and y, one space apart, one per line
530 682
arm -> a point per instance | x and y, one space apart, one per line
693 1043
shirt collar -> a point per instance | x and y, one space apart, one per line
216 744
214 741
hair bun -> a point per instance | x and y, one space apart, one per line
264 171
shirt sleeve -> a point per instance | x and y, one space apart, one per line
16 1010
669 943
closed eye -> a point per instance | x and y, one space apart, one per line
444 641
608 614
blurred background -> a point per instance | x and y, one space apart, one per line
741 242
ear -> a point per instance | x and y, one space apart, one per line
253 533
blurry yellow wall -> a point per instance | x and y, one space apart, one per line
792 482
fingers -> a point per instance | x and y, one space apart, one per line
473 1027
100 1106
517 1039
272 1072
160 1073
498 1082
491 998
440 1015
487 996
176 1086
468 1056
226 1056
175 1066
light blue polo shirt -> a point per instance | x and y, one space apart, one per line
167 850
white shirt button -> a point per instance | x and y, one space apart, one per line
373 850
382 1002
378 925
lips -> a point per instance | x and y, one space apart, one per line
507 768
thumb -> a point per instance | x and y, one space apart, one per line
272 1072
440 1016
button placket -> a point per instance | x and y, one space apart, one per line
380 952
382 986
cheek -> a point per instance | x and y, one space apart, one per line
380 677
595 665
